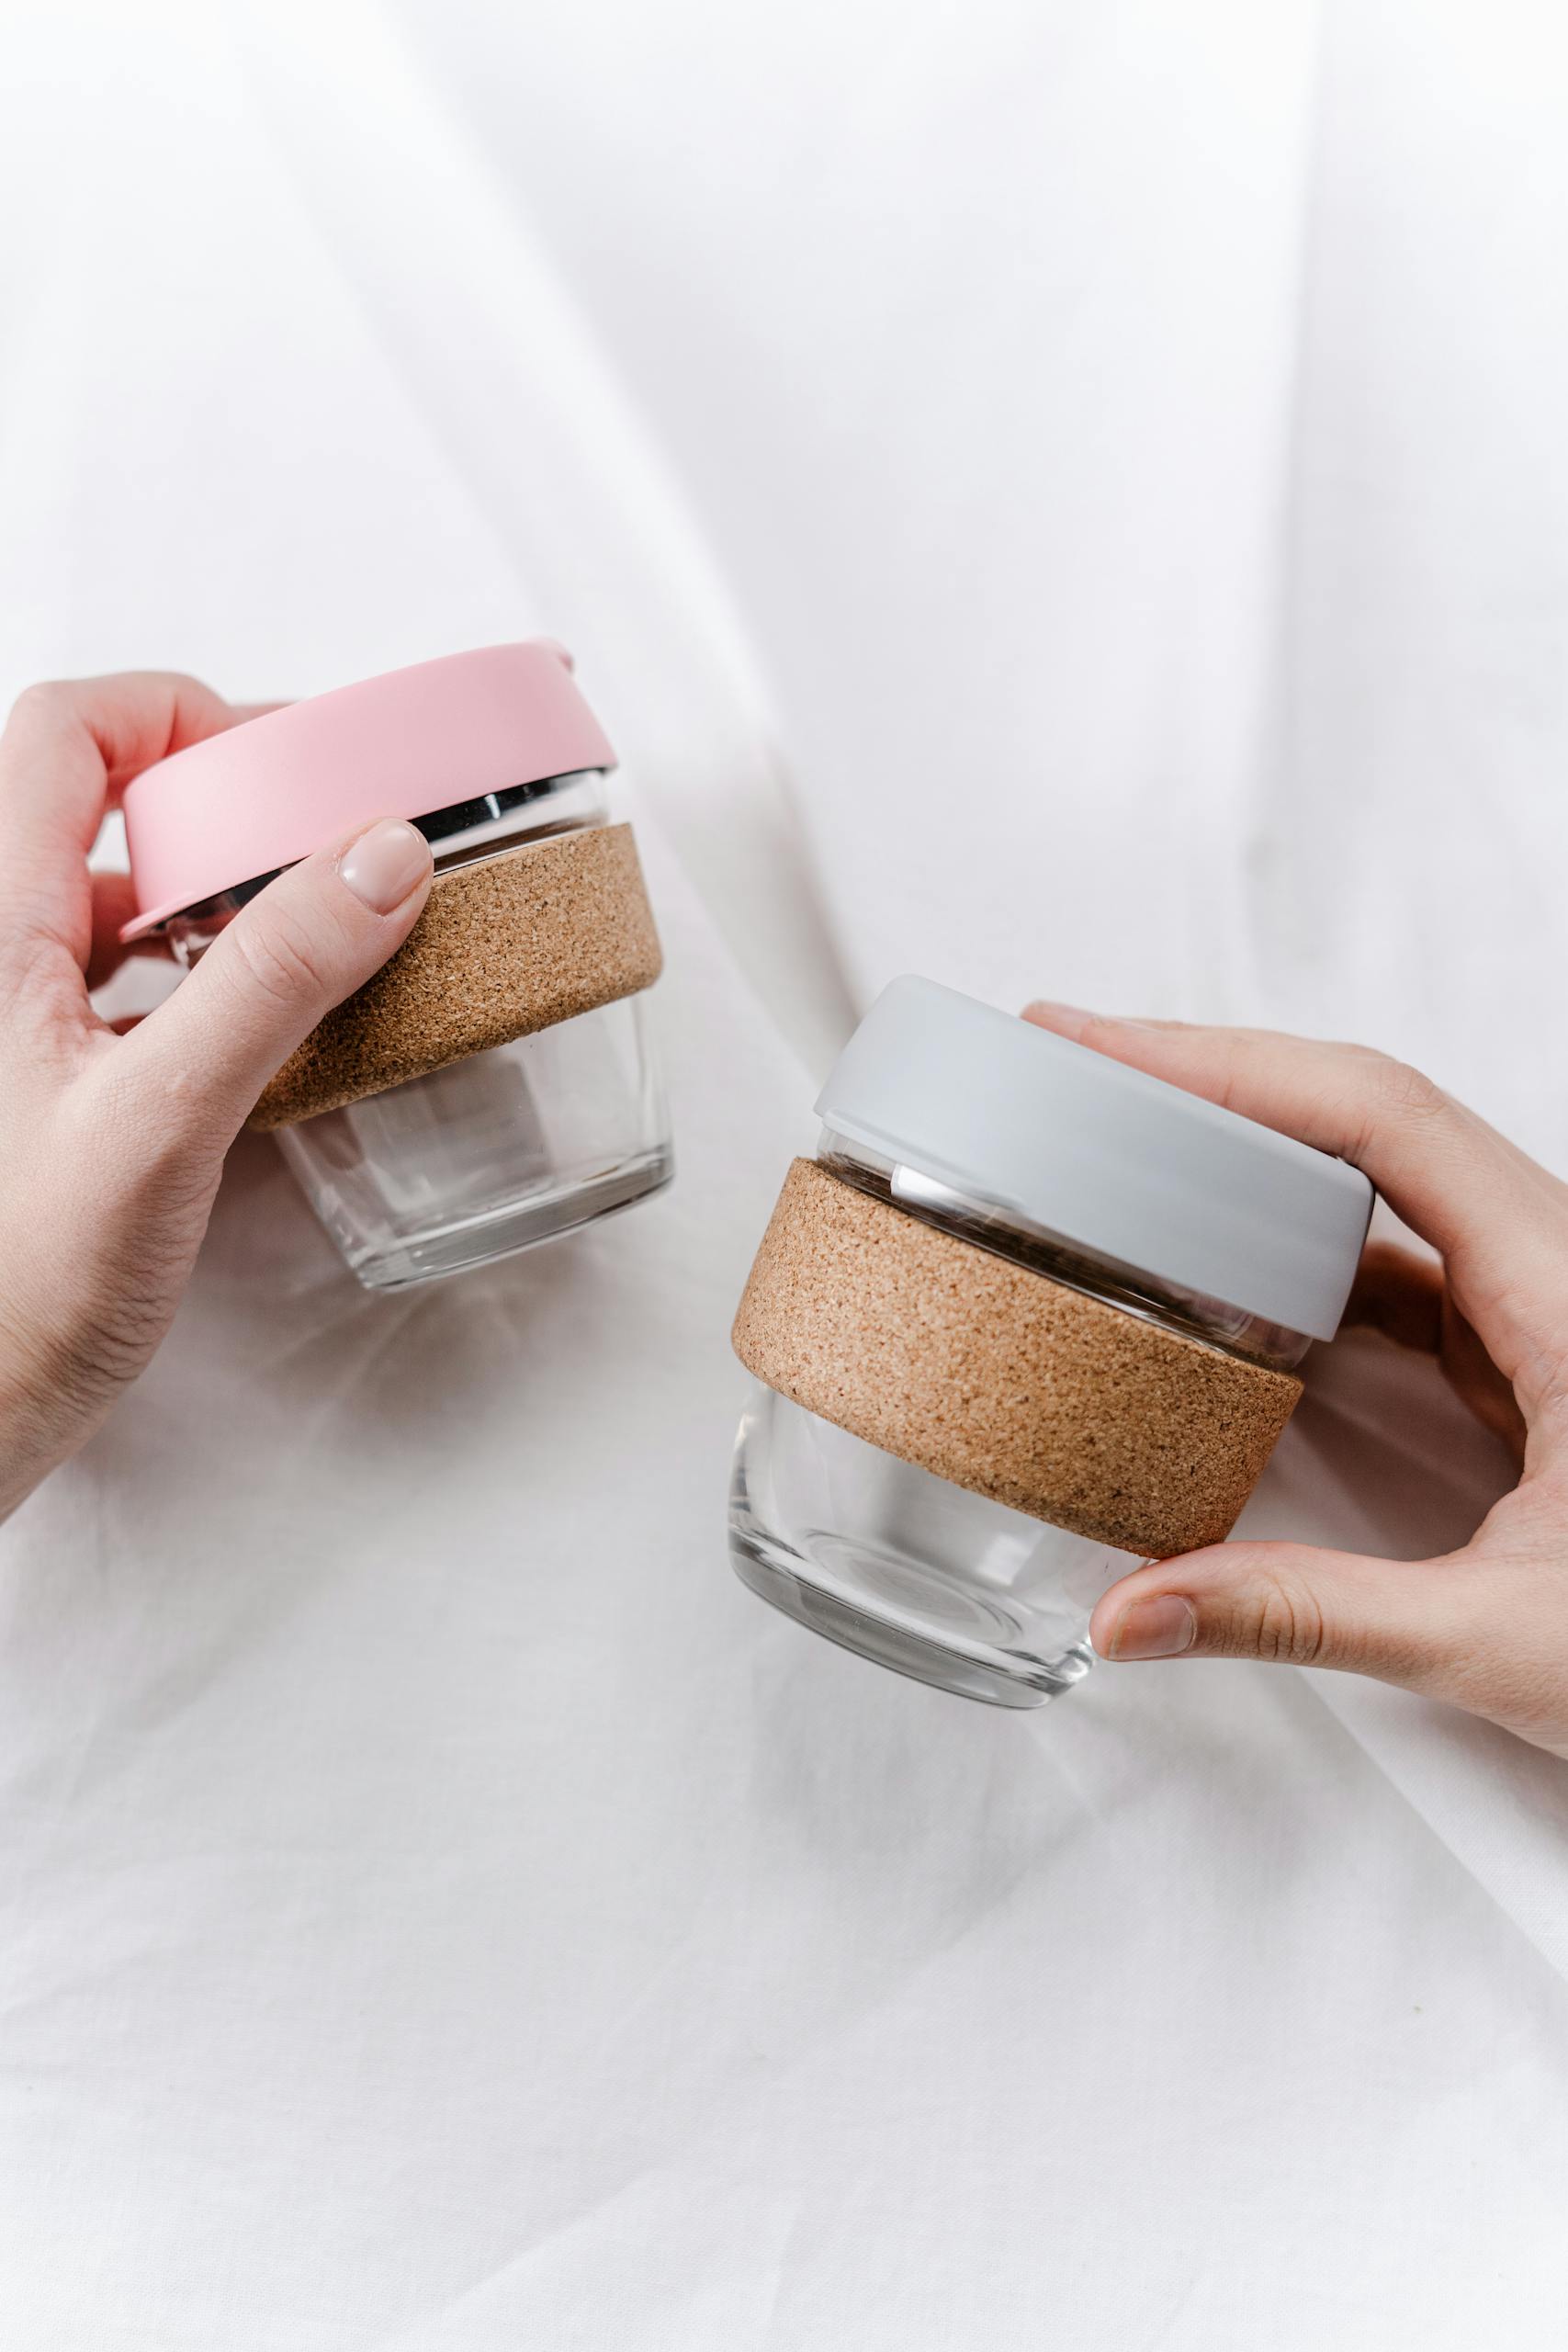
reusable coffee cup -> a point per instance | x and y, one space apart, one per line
1028 1318
494 1085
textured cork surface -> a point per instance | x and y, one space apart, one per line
1002 1381
503 947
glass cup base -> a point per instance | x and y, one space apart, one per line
454 1249
967 1666
490 1155
906 1569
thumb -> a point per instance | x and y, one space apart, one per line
310 939
1405 1622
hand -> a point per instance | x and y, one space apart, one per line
1485 1627
111 1146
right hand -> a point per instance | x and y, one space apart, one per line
1485 1627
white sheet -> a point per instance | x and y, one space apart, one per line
1062 498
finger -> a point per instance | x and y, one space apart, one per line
1413 1623
1406 1298
1411 1139
1400 1294
306 942
114 905
66 751
1499 1220
114 897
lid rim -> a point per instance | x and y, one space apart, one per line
1107 1158
264 794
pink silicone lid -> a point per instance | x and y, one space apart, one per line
262 795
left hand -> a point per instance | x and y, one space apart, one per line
111 1146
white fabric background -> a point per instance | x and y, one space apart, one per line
1066 498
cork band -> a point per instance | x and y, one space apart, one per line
1005 1382
505 946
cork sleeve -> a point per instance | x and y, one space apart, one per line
505 946
1000 1380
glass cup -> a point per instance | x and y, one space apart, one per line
910 1569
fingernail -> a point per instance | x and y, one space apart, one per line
1066 1020
1071 1020
384 865
1160 1628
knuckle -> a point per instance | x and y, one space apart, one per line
1276 1618
48 702
45 695
1406 1092
279 958
1380 1093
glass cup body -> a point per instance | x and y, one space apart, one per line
490 1155
906 1568
501 1151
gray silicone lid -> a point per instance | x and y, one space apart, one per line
1101 1155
